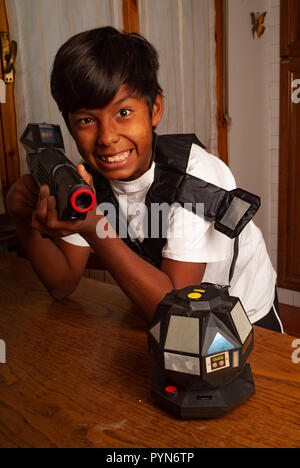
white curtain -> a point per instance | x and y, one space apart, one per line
183 32
40 27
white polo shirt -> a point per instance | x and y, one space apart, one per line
190 238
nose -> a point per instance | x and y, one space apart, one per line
108 134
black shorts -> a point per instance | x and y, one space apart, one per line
272 321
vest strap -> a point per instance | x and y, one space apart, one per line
234 259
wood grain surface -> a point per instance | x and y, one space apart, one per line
78 374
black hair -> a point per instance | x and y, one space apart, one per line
91 66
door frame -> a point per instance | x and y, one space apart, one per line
288 224
221 7
9 151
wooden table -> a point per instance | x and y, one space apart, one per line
78 374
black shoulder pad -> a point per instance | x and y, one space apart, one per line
174 150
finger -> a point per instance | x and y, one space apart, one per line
36 224
85 175
52 216
51 203
31 184
27 190
42 204
24 201
47 231
54 225
61 228
30 199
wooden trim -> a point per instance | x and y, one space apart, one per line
283 181
284 29
288 219
3 170
9 152
289 28
221 80
289 167
131 16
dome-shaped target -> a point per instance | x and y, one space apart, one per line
200 338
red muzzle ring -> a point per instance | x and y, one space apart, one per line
79 192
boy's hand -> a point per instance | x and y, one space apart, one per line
22 198
45 217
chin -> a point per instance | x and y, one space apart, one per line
118 175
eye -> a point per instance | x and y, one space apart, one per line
124 112
85 121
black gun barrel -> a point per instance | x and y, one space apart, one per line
81 196
49 166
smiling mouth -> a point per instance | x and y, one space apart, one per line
115 158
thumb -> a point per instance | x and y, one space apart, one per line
85 175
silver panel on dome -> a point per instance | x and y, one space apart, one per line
183 335
155 331
241 321
184 364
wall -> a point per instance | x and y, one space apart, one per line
254 94
248 76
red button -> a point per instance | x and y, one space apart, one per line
171 389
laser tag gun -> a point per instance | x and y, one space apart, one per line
201 338
49 166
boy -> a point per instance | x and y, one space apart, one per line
105 85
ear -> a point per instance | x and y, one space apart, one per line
158 109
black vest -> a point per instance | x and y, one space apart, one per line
171 185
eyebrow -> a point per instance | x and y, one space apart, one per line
124 98
90 111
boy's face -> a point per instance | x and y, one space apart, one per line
117 139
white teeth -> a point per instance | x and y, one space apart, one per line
117 158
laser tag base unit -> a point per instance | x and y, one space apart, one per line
49 166
201 338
